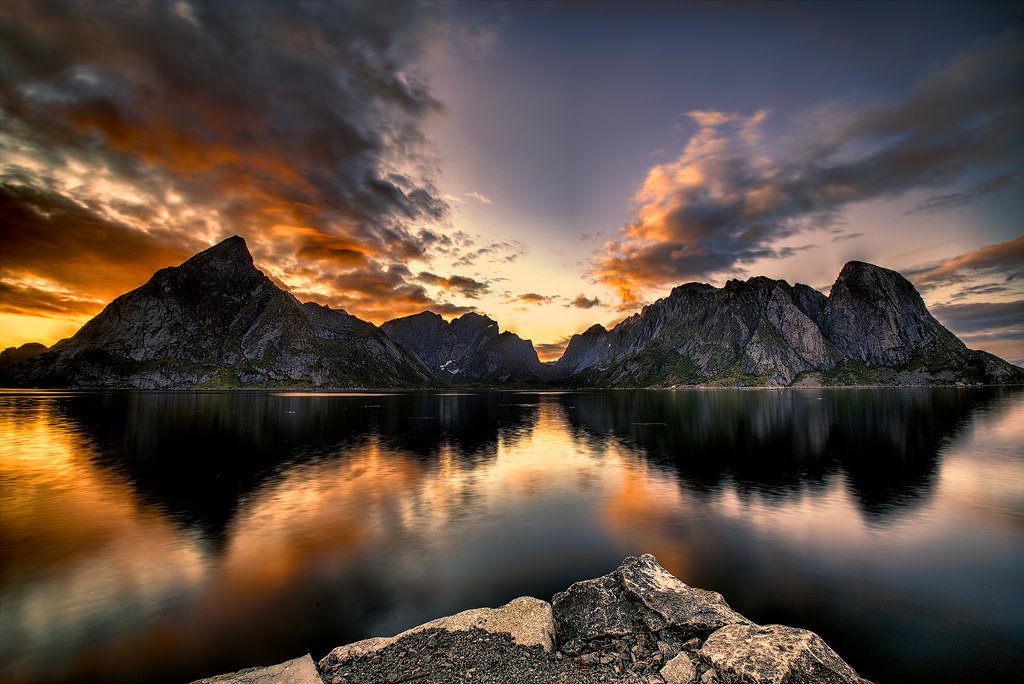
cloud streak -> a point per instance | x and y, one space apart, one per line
1003 261
729 199
939 203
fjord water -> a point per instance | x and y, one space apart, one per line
168 536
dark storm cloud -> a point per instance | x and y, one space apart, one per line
272 119
726 201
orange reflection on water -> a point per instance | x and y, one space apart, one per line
93 545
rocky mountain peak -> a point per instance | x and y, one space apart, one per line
469 349
226 266
218 321
877 316
475 321
232 250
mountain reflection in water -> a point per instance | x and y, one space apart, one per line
167 536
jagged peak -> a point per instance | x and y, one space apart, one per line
232 250
852 269
475 320
754 281
426 314
862 278
473 315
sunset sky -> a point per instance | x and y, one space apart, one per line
550 164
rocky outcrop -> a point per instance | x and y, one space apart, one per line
470 349
638 624
872 329
217 321
639 597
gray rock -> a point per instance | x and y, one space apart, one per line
774 654
679 670
639 597
298 671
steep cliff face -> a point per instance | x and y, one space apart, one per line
873 329
469 349
876 316
217 321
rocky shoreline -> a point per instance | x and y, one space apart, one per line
638 624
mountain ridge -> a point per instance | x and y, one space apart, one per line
216 321
470 347
873 328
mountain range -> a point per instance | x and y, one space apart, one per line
216 321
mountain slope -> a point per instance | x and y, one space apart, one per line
217 321
470 349
873 329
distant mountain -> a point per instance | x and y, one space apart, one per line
13 355
217 321
468 350
872 329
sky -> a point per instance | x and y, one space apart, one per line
553 165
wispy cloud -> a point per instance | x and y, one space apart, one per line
940 203
483 199
845 237
533 298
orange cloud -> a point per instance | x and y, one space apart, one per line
132 154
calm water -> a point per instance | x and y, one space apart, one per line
167 536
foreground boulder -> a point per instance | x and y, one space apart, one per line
638 624
777 654
639 597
